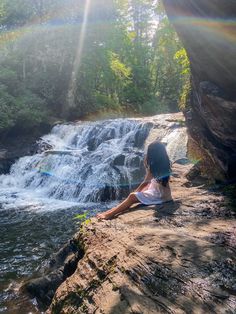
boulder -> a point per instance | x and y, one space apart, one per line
61 266
119 160
209 36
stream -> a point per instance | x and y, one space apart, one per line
77 167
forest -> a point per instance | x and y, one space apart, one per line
63 60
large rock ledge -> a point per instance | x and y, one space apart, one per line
208 32
174 258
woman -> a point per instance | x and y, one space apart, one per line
155 188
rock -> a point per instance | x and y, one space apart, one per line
119 160
5 162
3 153
208 35
92 144
141 135
95 141
40 146
61 266
209 88
107 193
16 145
156 259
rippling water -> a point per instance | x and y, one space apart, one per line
27 241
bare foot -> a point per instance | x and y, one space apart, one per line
105 215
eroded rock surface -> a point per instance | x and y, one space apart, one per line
208 32
172 258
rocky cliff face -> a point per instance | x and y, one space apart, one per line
208 32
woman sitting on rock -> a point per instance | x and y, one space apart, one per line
155 188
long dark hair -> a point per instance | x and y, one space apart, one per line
159 162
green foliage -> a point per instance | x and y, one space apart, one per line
184 97
19 106
7 109
119 69
182 58
22 111
30 110
125 62
183 61
82 219
168 78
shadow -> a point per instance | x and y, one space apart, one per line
132 302
161 210
185 271
167 209
193 283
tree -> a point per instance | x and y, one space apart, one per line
118 55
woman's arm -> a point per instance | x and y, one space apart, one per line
145 182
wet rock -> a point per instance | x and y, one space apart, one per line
141 135
119 160
106 135
136 161
92 145
61 266
108 193
39 147
5 162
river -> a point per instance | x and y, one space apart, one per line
78 167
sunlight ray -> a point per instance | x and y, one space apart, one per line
77 62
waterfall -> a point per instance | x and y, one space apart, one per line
88 162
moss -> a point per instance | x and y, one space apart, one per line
87 222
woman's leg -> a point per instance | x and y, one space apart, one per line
130 200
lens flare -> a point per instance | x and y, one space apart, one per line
223 29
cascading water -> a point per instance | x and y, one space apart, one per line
87 163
